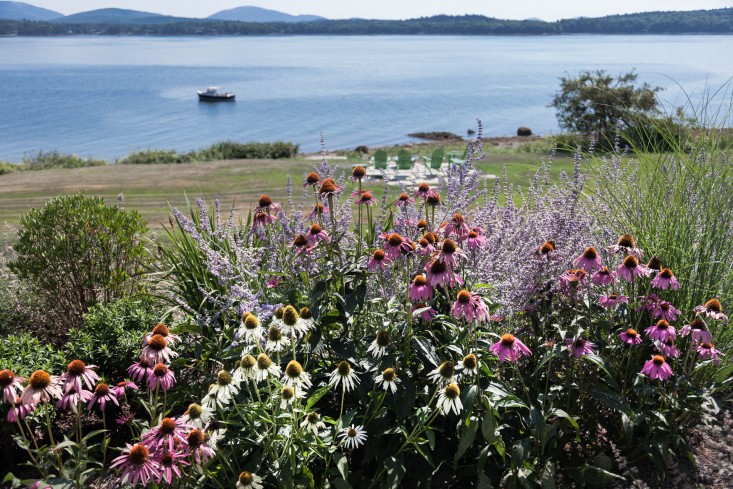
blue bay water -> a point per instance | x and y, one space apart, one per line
107 96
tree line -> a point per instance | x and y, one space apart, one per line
718 21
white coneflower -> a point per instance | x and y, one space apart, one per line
294 375
223 390
292 325
276 342
248 480
378 348
246 370
313 423
316 348
307 322
345 376
388 380
251 330
444 374
449 399
288 395
264 368
353 436
470 366
197 416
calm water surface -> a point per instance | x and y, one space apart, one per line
104 97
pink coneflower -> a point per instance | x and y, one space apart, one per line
357 173
140 371
438 274
329 187
665 280
168 434
162 378
457 227
301 244
630 337
366 198
396 245
422 190
699 331
265 203
668 348
42 387
610 301
318 210
403 200
654 264
664 310
72 398
136 465
433 198
378 260
657 368
712 309
627 245
603 276
546 250
630 269
77 371
102 394
169 465
509 348
450 253
315 234
20 410
661 331
273 282
10 384
425 246
579 347
119 389
420 290
708 352
428 314
572 279
475 240
311 178
589 260
157 350
262 219
162 330
196 446
470 307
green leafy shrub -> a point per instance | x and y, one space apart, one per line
76 251
24 353
155 157
46 160
6 168
230 150
111 334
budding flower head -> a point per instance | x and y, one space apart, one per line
263 361
39 379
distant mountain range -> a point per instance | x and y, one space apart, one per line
19 11
257 14
118 16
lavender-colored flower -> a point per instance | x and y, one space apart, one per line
136 465
610 301
589 260
630 269
168 433
157 350
509 348
579 347
603 276
427 314
72 399
102 395
439 274
699 331
664 310
665 280
420 290
708 352
76 372
712 309
630 337
163 378
661 331
11 385
169 465
140 371
668 348
20 410
657 368
378 260
470 306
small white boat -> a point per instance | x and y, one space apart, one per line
213 94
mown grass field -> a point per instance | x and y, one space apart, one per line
152 189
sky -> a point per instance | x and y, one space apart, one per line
393 9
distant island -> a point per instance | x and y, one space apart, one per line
19 19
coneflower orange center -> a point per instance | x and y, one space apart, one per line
157 342
437 267
470 361
447 369
293 369
40 379
76 367
251 322
654 263
423 187
420 280
287 393
351 433
383 338
714 305
6 377
422 224
167 426
223 378
161 329
274 334
263 361
366 196
300 240
378 255
358 171
389 375
662 324
312 178
290 316
395 239
631 262
658 359
707 346
195 438
194 411
590 253
464 297
698 323
315 229
666 273
449 246
547 247
507 340
632 332
473 234
627 241
403 197
328 186
458 219
248 361
102 389
160 370
306 313
433 199
138 455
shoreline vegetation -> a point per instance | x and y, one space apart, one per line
717 21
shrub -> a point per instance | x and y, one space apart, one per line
111 333
6 168
230 150
155 157
46 160
77 251
24 353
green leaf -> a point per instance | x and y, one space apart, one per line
425 351
342 464
317 395
468 435
488 427
396 471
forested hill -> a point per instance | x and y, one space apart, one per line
719 21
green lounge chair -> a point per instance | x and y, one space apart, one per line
380 159
436 159
404 160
